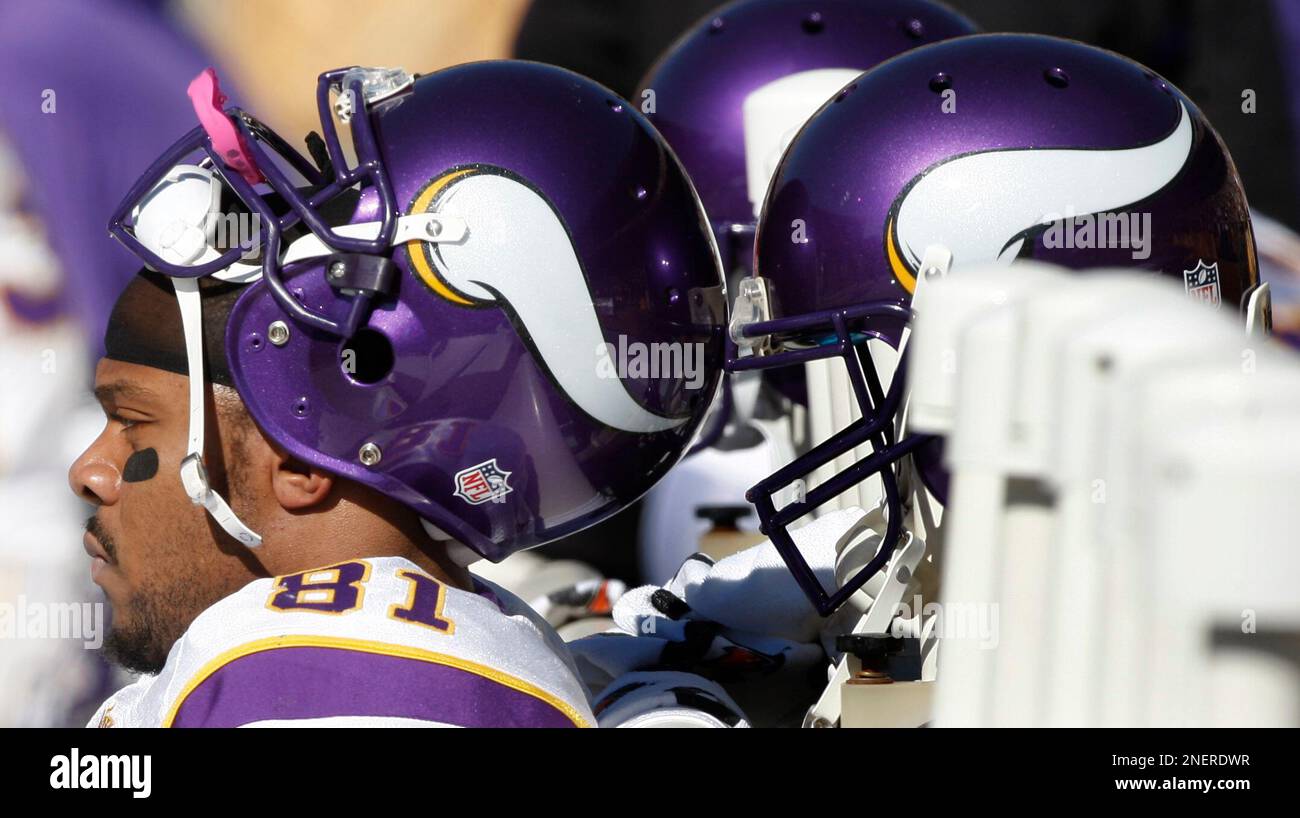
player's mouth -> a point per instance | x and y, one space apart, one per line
99 559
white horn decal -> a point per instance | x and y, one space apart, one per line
975 205
775 112
517 253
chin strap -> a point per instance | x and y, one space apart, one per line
1259 311
193 474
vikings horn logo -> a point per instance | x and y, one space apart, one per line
981 206
517 254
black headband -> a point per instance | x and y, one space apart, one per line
145 326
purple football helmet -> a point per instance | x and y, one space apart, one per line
700 86
775 62
508 314
991 148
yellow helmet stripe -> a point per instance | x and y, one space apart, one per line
417 250
896 263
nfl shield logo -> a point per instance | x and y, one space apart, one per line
1203 283
482 483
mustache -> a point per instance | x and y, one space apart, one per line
96 529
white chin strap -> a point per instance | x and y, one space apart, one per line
193 474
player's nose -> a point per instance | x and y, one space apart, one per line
94 478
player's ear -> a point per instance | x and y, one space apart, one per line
296 485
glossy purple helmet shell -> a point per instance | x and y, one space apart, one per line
473 397
701 82
855 164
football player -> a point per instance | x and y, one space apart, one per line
339 384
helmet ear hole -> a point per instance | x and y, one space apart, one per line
367 357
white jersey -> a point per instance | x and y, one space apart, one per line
373 642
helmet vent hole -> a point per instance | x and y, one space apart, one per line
844 92
614 105
716 25
1056 77
940 82
914 28
813 23
367 357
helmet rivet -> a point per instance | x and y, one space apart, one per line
433 228
337 269
369 455
278 333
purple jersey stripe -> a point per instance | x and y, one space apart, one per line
302 682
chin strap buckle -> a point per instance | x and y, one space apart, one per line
935 264
195 479
376 84
752 307
1259 311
